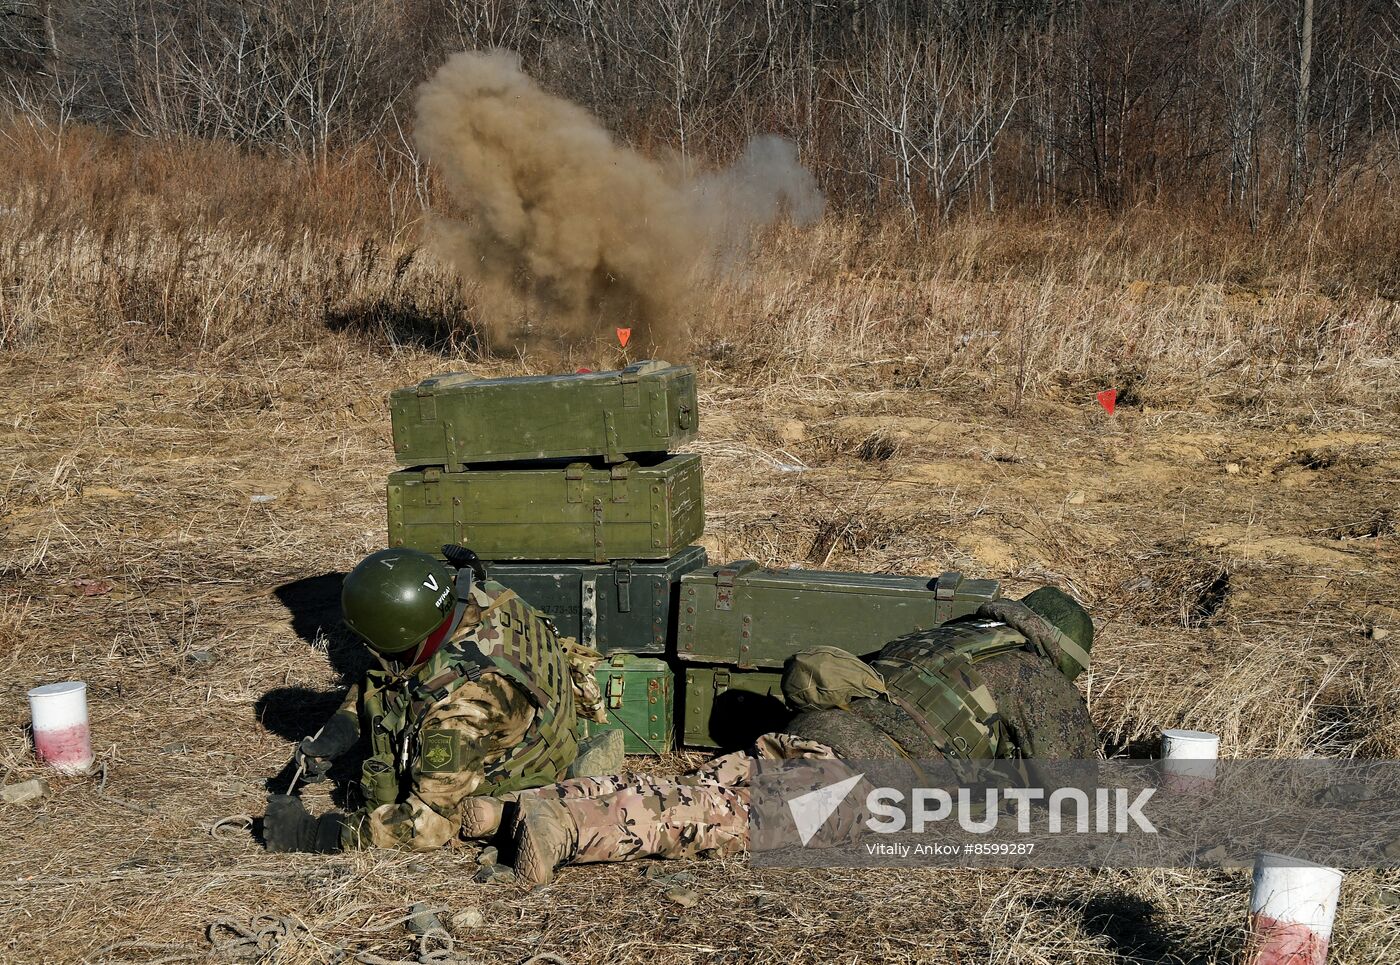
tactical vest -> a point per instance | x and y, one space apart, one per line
932 676
501 634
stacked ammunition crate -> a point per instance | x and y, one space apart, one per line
569 487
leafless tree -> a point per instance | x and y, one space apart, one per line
929 107
939 108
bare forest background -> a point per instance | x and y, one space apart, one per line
1259 112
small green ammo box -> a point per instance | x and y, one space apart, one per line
729 708
638 693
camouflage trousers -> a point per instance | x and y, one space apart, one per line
706 811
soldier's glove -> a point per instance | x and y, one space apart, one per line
288 826
314 755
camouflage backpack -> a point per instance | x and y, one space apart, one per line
930 675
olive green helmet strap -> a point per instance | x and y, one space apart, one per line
1071 649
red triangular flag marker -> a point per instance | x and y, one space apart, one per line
623 334
1108 398
584 372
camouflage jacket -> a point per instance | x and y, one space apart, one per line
447 728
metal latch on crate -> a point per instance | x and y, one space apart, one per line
432 490
631 387
573 481
588 612
724 583
615 685
427 404
620 473
622 572
946 586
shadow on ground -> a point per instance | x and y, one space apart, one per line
404 323
1142 748
295 712
292 713
314 605
1133 929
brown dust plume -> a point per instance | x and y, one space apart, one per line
561 234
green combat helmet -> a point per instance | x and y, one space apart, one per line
396 598
1062 612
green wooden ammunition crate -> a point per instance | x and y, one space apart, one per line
632 511
729 708
747 616
638 693
458 420
623 606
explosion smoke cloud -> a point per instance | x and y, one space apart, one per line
566 233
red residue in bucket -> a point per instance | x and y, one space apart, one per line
67 745
1286 943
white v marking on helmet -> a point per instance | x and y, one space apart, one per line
431 582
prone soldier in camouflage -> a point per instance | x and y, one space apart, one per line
999 684
476 694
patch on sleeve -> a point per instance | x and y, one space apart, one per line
441 751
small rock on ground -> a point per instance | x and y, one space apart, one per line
423 921
684 897
655 873
467 918
25 792
792 432
493 874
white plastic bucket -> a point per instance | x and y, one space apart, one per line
1291 910
61 735
1188 760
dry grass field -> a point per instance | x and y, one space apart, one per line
184 331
